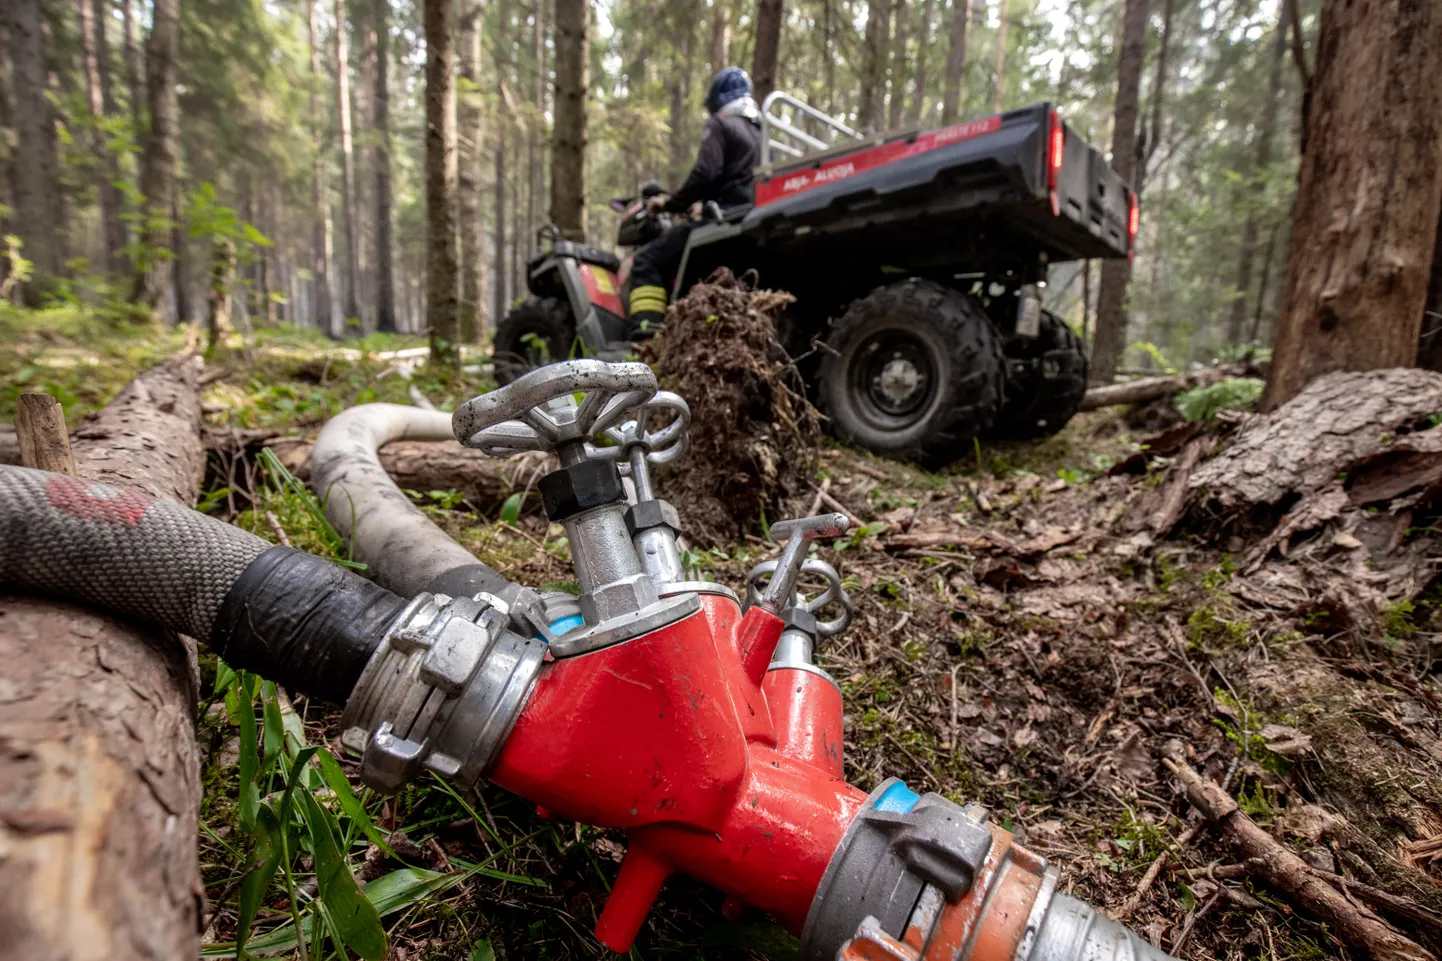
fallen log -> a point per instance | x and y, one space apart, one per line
99 777
1154 388
485 482
1271 862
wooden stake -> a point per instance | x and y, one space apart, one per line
40 429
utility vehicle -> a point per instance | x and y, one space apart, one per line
915 259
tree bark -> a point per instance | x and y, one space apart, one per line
222 281
320 247
132 67
35 182
471 137
1256 188
1153 134
874 64
768 47
162 146
923 49
1368 197
568 144
385 278
442 284
679 91
351 281
534 175
1111 333
99 776
90 16
901 24
503 123
998 90
1429 346
720 48
951 96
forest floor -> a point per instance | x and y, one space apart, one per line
1019 640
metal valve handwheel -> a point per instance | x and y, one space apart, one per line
833 593
539 410
661 446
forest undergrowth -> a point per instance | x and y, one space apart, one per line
1021 639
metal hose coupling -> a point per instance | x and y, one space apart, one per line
445 686
924 879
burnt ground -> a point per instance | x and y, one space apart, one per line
1015 643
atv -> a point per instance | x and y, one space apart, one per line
916 259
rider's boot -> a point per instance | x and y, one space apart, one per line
647 311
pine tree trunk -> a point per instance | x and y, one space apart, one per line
899 72
132 68
534 179
1111 298
471 137
568 143
951 96
442 283
351 280
1429 346
923 50
90 16
1368 197
365 166
498 249
768 47
519 240
720 48
179 289
1261 161
162 146
385 278
320 250
679 88
35 182
1153 138
998 90
873 65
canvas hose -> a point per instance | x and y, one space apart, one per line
281 613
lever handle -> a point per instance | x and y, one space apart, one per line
539 410
833 594
797 534
659 446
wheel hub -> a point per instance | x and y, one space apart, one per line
895 374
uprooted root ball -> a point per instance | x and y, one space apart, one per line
754 436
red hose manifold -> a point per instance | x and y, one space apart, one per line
661 707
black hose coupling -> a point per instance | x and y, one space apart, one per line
304 622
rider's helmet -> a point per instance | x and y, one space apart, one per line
730 84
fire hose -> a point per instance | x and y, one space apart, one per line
650 702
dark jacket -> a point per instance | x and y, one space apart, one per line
730 150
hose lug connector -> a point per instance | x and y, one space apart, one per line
442 690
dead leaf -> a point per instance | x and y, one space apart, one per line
1344 539
1024 736
1286 741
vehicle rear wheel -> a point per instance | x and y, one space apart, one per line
1046 380
916 370
535 333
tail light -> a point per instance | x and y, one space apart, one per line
1055 154
1134 223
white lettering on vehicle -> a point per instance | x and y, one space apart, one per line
824 175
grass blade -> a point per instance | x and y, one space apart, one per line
264 861
330 769
353 916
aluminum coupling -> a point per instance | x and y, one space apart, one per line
923 879
442 690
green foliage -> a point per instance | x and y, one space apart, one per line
1237 393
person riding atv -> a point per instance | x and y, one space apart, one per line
725 165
